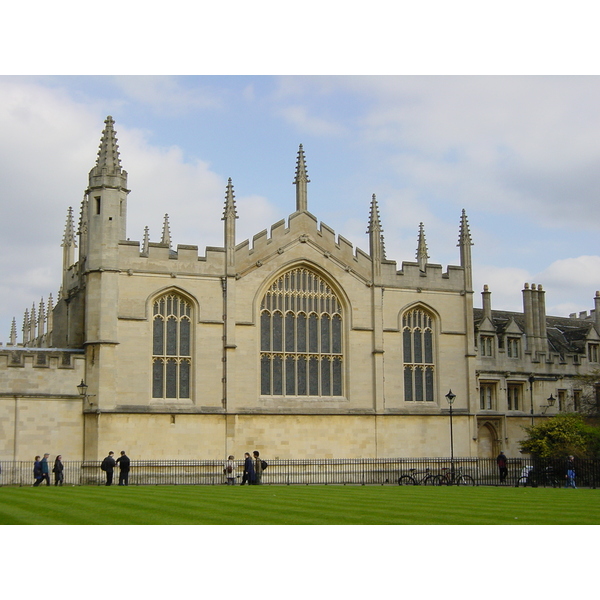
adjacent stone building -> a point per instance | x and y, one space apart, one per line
296 344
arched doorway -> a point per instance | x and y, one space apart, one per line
487 441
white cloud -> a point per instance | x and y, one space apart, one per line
505 284
48 144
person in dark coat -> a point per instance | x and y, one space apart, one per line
501 461
108 464
58 470
257 467
123 462
45 469
249 474
37 471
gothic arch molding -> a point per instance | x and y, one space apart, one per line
310 266
176 290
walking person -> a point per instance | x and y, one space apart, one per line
45 469
123 462
249 474
58 470
571 472
229 470
502 463
37 471
108 464
257 467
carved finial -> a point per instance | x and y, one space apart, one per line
374 220
82 227
464 236
13 332
166 232
300 181
146 241
69 235
108 154
230 211
26 324
422 255
32 323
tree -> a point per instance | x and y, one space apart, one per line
563 435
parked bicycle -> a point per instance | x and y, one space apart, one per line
454 476
415 479
545 477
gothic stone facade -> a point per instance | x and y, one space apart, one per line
297 345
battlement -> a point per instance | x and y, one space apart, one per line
47 372
20 356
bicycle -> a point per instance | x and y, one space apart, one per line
538 478
413 479
454 476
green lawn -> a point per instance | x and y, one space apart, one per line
297 505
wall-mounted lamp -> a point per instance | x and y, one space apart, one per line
550 402
82 389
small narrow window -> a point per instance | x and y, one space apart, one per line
514 393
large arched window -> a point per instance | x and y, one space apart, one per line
419 362
171 347
301 337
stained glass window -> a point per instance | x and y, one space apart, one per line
171 347
301 337
418 348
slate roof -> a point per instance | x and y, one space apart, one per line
565 334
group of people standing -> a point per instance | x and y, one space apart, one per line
41 470
253 469
108 466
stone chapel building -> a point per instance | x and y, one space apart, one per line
296 344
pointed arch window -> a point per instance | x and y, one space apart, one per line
418 350
301 337
171 347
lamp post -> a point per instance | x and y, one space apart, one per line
450 397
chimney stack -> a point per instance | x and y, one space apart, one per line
543 337
486 301
528 313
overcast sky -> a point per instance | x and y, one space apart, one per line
519 153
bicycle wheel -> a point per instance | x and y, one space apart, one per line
442 480
406 480
522 482
465 480
430 480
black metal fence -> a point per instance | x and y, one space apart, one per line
376 471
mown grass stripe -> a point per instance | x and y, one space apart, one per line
304 505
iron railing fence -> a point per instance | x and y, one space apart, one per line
365 471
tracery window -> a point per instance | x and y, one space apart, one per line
419 364
171 347
301 337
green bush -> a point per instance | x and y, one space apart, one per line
563 435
